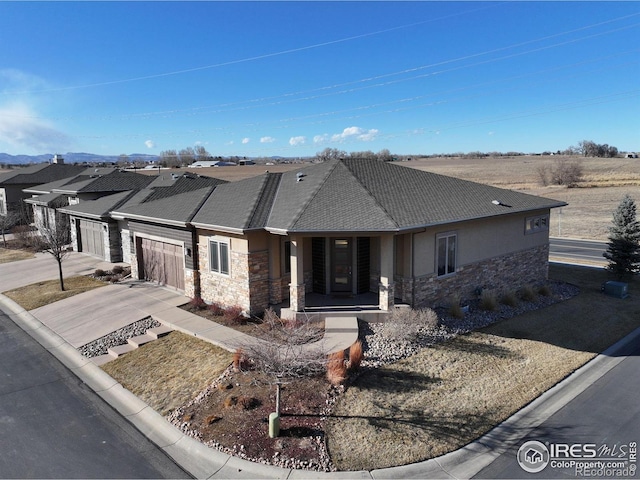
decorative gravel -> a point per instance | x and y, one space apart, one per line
380 351
119 337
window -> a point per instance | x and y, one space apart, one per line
539 223
446 253
219 256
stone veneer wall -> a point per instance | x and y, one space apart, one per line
189 282
112 246
504 273
247 286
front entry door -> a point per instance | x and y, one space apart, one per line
341 265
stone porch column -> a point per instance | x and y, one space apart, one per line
297 287
385 287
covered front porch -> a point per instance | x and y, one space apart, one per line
337 274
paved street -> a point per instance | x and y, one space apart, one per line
53 426
578 251
608 412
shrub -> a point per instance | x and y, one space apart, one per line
509 298
336 368
212 419
25 235
99 272
234 314
544 290
230 401
356 355
113 279
107 278
216 309
455 309
240 360
527 293
404 324
248 403
488 300
117 270
195 304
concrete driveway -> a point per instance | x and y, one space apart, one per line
88 316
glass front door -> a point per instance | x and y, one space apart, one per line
341 265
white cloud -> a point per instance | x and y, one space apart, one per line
355 133
21 127
267 140
324 138
150 143
297 141
246 140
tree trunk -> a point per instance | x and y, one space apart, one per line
60 274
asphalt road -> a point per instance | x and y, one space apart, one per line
53 426
606 413
581 251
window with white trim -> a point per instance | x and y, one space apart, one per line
446 251
219 256
536 224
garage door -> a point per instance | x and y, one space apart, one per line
163 263
91 238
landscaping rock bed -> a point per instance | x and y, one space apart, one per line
119 337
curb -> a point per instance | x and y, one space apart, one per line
204 462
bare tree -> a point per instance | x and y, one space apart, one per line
201 153
6 222
55 239
169 159
187 156
293 350
330 154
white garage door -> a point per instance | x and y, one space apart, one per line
92 238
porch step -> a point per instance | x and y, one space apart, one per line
141 340
160 331
121 350
102 359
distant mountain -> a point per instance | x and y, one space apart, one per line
71 158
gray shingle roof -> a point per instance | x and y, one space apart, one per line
177 209
53 200
99 208
115 181
39 174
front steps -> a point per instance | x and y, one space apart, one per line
132 343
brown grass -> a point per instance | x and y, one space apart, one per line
40 294
170 371
10 255
446 396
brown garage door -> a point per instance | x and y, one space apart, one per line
91 238
163 263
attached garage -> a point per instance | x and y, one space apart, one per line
161 262
91 237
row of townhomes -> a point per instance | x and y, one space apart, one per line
353 232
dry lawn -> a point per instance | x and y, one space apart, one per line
10 255
446 396
170 371
43 293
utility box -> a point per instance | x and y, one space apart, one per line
616 289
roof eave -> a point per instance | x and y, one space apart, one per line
144 218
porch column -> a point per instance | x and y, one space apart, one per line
385 287
297 287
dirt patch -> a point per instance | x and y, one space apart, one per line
40 294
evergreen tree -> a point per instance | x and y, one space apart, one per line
623 251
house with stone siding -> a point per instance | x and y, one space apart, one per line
342 231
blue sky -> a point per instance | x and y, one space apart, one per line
293 78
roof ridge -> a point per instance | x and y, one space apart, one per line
267 189
202 202
375 199
315 194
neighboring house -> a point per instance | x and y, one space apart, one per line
14 182
91 184
336 229
157 238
